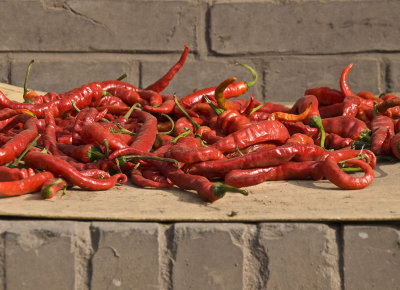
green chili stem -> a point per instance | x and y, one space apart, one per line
27 76
375 110
122 77
128 114
253 72
107 148
46 193
33 143
220 189
316 122
195 125
172 122
128 158
183 134
256 109
94 154
216 109
75 107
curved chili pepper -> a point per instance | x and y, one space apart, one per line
162 83
147 133
388 103
289 170
233 90
83 153
255 133
27 185
166 107
299 138
7 113
95 173
49 138
155 175
62 168
326 96
82 97
17 145
334 174
152 97
336 142
109 100
219 94
188 155
282 116
395 145
303 103
138 179
271 157
128 95
96 133
344 87
231 120
12 174
51 186
382 128
344 126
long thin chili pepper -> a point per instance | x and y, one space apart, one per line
27 185
162 83
62 168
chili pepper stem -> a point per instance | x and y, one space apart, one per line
128 114
195 125
46 192
220 189
94 154
183 134
123 76
216 109
33 143
172 124
27 76
316 122
253 73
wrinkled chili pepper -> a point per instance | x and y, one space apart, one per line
62 168
382 128
138 179
12 174
289 170
255 133
337 176
395 145
344 126
147 133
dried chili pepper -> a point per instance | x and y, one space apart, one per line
62 168
162 83
382 128
326 96
395 145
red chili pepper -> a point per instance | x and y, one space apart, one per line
96 133
12 174
17 145
162 83
336 142
109 100
233 90
152 97
382 128
147 133
231 120
272 157
395 145
27 185
337 176
256 133
49 138
128 95
188 154
302 104
95 173
299 138
82 97
166 107
329 111
62 168
51 186
344 126
344 87
289 170
138 179
326 96
83 153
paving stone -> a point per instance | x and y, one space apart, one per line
88 26
64 74
304 26
208 256
126 256
40 255
300 256
371 257
196 75
287 78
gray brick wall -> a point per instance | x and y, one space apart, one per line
44 254
293 45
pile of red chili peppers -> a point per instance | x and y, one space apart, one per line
210 142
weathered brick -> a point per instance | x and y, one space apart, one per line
287 78
300 256
40 255
88 25
208 256
3 70
196 75
304 26
126 256
371 257
393 74
63 74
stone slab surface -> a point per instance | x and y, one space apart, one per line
270 201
